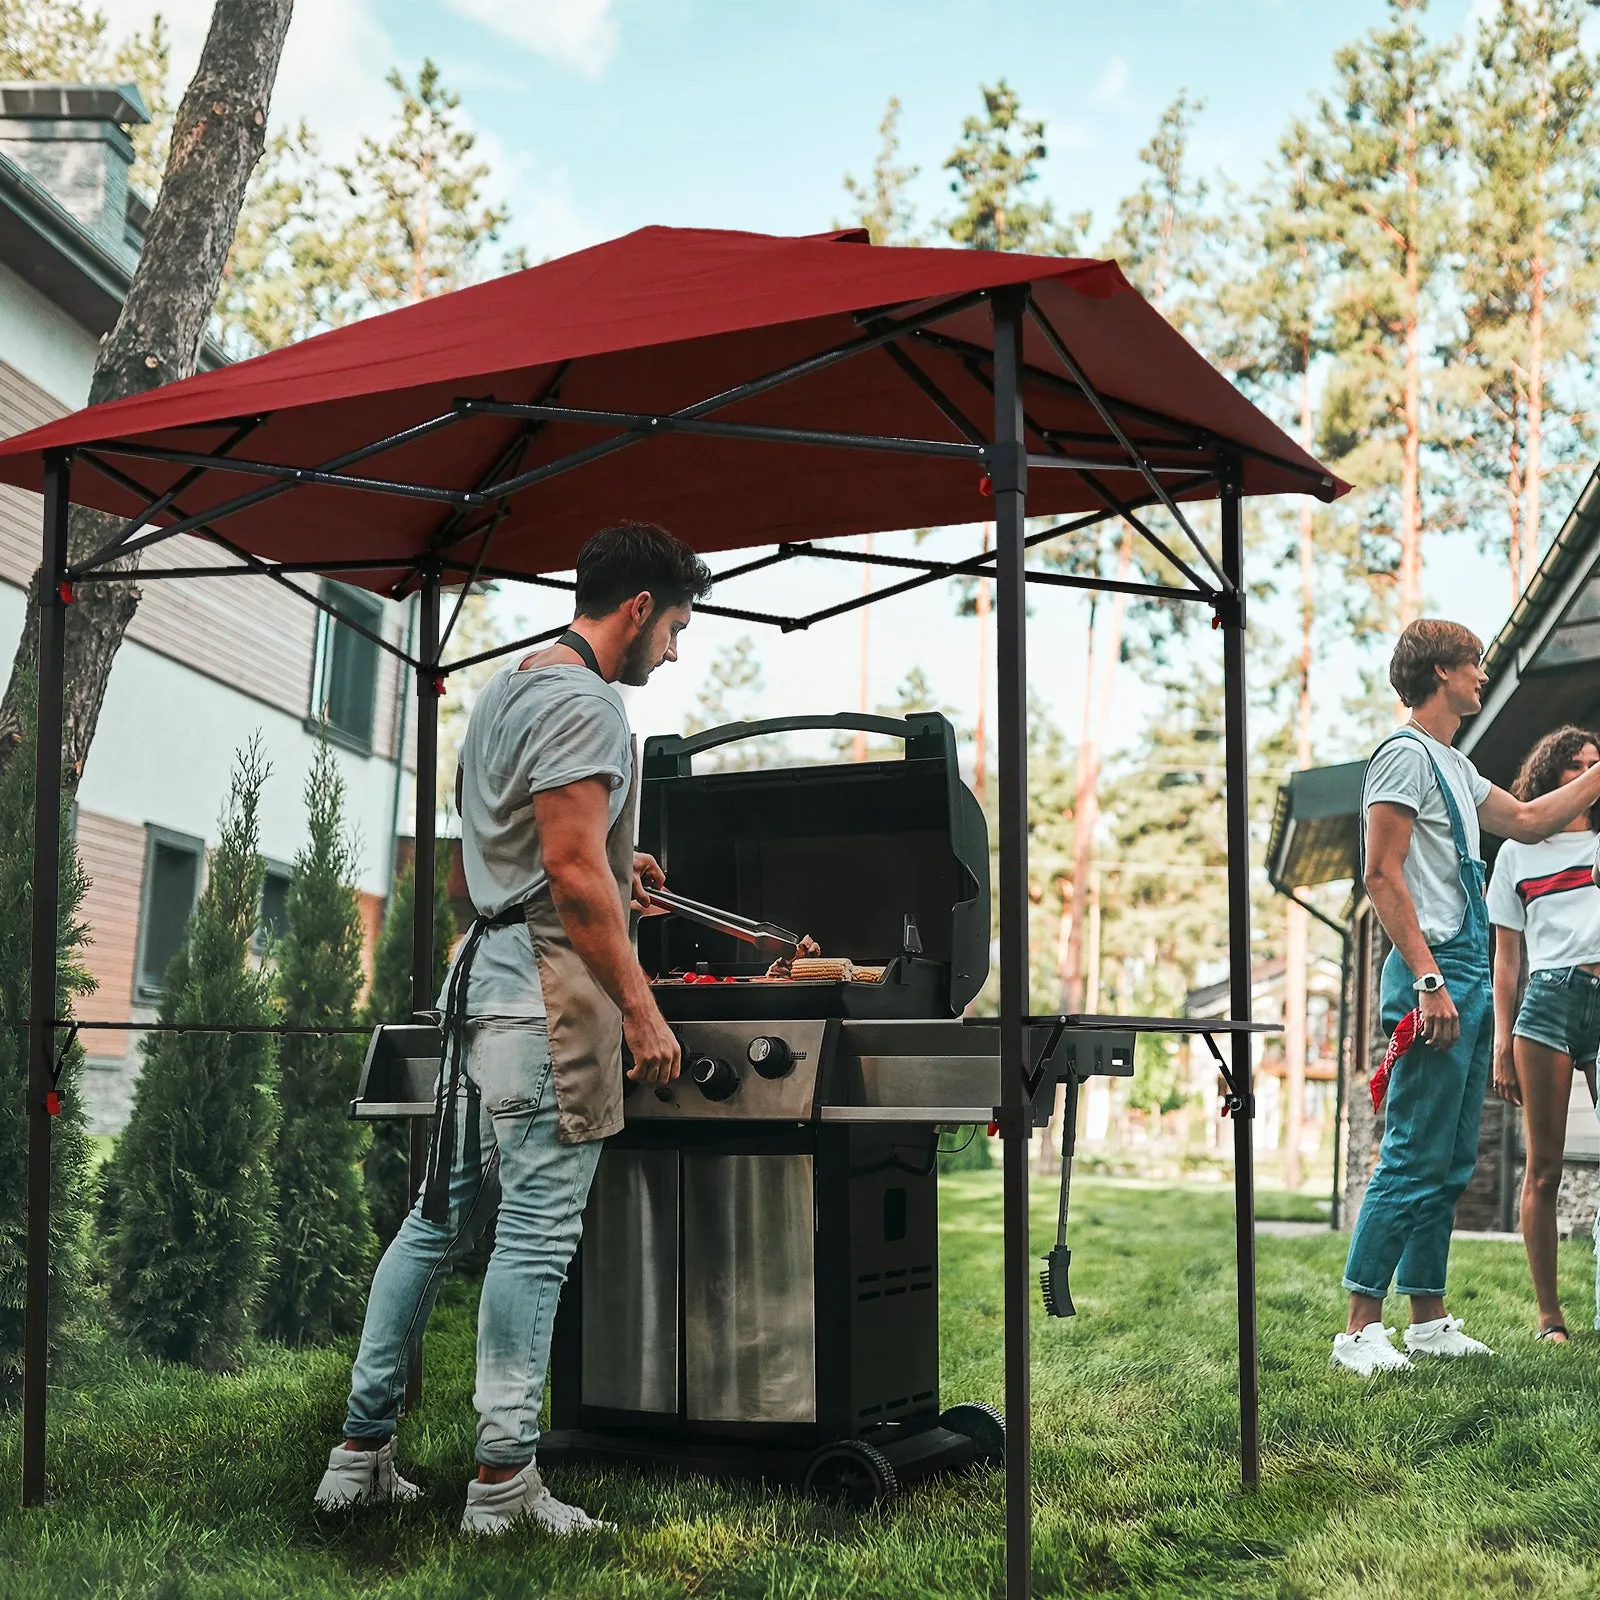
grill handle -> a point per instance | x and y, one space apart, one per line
923 733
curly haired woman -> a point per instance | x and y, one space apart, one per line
1543 895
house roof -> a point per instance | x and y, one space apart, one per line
671 318
1542 664
1316 827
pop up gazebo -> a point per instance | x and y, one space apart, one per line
745 391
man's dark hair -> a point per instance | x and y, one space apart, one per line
1428 643
618 563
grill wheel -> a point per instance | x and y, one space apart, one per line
983 1425
852 1472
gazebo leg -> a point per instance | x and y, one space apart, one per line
42 968
1008 477
1236 746
423 994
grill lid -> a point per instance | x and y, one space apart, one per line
845 852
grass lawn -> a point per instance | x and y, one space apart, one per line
1481 1479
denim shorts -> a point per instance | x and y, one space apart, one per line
1561 1010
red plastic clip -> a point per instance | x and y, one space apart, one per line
994 1129
439 686
52 1102
64 589
986 485
1216 621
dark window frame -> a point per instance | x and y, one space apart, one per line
260 939
156 838
333 639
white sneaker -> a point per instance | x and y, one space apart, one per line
493 1507
1368 1351
1442 1338
363 1478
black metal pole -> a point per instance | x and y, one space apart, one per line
1008 472
1230 612
422 987
42 967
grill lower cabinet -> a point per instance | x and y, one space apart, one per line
763 1303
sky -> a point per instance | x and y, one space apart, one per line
601 116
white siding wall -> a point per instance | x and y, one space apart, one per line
43 343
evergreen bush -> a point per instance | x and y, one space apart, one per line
325 1243
69 1184
194 1211
389 1000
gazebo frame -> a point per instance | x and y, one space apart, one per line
1204 467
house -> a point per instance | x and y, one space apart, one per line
1544 670
207 664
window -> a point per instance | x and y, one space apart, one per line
172 865
344 678
274 920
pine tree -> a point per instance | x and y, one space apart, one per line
732 692
194 1204
385 1170
1529 287
1379 171
882 205
69 1157
325 1242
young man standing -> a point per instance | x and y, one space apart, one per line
1422 805
537 1004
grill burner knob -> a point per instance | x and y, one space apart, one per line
714 1078
770 1056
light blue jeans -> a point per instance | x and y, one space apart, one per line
541 1187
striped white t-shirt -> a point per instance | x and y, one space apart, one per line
1546 892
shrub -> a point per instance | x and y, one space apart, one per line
325 1243
69 1188
194 1209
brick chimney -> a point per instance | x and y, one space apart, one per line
72 140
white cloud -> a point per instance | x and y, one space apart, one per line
1112 81
579 33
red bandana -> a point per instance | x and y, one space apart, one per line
1405 1035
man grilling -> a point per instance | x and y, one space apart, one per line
537 1003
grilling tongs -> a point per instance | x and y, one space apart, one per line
745 928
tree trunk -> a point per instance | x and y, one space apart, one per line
859 749
217 139
1530 522
1514 507
1410 509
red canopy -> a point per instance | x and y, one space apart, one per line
656 321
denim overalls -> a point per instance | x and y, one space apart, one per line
1435 1103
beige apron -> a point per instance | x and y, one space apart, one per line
585 1023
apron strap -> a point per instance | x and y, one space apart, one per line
441 1154
584 651
1457 828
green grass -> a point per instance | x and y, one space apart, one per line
1456 1479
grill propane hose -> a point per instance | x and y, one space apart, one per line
1053 1279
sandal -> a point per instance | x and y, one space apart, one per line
1552 1330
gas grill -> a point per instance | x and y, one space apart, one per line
757 1288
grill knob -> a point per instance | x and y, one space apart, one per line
715 1078
770 1056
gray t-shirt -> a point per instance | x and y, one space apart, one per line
1400 774
531 730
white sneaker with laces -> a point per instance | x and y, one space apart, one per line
1368 1352
493 1507
363 1478
1443 1338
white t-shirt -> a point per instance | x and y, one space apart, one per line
1546 892
1400 774
529 731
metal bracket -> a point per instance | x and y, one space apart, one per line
1233 1103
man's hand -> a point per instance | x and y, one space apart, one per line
1441 1022
652 1044
647 875
1506 1083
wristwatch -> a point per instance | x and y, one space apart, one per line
1429 983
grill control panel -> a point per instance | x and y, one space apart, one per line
739 1071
